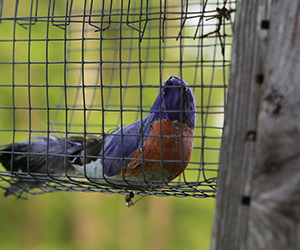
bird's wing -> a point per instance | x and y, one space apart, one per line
122 144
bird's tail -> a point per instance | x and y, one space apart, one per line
50 156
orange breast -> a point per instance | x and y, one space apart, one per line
174 153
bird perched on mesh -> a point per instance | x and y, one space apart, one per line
155 149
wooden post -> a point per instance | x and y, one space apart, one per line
258 201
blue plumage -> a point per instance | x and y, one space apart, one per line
131 142
112 155
172 104
176 102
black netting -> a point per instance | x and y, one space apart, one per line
83 68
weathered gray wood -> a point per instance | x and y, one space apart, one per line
260 154
237 150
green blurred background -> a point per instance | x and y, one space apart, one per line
94 220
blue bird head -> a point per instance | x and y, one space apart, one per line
176 101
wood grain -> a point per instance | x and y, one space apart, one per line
258 203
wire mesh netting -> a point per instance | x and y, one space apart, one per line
87 68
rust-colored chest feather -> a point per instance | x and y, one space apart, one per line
175 153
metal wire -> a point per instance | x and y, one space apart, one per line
89 67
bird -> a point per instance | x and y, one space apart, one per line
155 149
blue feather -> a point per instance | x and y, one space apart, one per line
132 140
174 94
175 102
